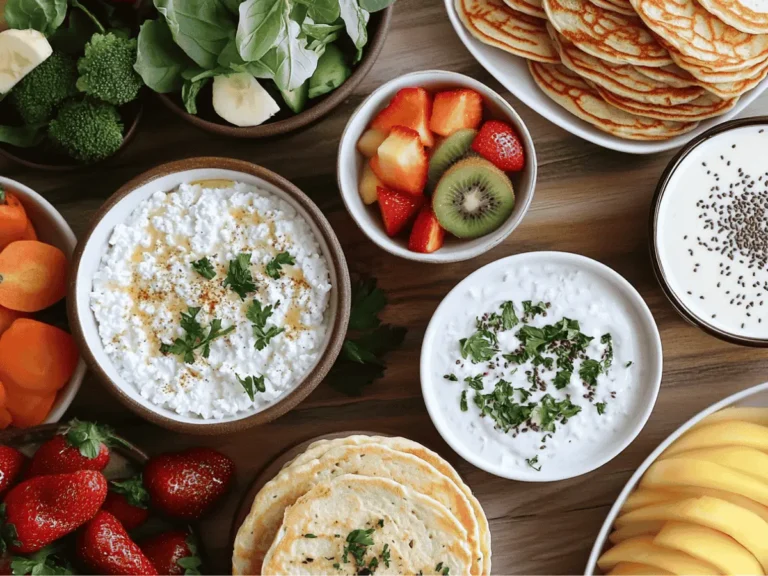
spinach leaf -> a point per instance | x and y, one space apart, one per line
189 93
299 13
320 31
73 37
355 21
266 67
296 62
42 15
324 11
23 136
159 61
262 25
232 6
202 28
375 5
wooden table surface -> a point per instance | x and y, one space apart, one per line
588 200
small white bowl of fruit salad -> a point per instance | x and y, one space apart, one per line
434 166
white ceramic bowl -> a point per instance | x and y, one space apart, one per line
512 72
166 178
639 323
351 163
52 229
756 396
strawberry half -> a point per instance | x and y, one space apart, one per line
186 484
83 446
500 144
401 161
397 209
106 548
411 107
11 464
44 508
128 500
427 234
173 553
456 110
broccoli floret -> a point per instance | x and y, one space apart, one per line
38 94
87 130
106 69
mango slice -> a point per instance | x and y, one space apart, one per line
721 434
642 550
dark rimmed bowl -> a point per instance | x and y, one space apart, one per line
167 177
43 160
287 121
676 302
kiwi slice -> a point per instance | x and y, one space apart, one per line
450 151
473 198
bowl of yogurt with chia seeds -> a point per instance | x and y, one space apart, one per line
210 295
541 366
709 232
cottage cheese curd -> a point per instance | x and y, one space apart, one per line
146 281
604 414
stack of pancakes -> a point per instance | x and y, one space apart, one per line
407 505
638 69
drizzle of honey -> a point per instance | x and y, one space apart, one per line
213 183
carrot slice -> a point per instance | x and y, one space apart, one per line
8 317
36 357
27 409
5 418
13 218
33 276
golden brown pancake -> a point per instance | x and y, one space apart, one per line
494 23
707 74
605 34
679 78
707 106
572 93
698 35
621 79
749 17
620 6
530 7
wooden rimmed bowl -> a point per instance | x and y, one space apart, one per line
44 159
165 178
285 121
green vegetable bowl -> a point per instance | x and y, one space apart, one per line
260 68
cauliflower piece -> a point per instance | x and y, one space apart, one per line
87 130
106 69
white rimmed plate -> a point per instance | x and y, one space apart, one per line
512 72
611 303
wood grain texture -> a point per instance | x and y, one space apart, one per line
588 200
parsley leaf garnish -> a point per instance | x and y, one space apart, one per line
589 371
600 408
367 302
252 384
451 377
508 317
274 266
551 411
532 463
628 364
562 379
258 317
480 347
531 310
204 268
385 555
463 401
608 352
309 536
239 277
195 336
475 382
357 545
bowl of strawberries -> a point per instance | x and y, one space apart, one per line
434 166
79 499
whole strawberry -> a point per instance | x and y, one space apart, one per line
173 553
500 144
44 508
11 464
106 548
82 446
128 500
186 484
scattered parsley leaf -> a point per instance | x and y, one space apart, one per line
532 463
531 310
628 364
274 266
195 336
252 384
367 302
463 401
551 411
451 377
562 379
357 545
608 352
385 552
475 382
480 347
204 268
309 536
258 317
239 277
589 371
508 317
600 408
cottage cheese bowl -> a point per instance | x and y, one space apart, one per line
541 366
210 295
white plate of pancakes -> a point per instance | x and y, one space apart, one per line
637 76
303 514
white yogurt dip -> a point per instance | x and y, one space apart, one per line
606 411
146 281
712 231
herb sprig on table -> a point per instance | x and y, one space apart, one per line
361 360
195 337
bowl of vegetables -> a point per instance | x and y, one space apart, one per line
69 95
260 68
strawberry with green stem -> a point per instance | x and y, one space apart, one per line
173 553
128 501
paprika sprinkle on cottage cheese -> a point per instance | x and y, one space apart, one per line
212 299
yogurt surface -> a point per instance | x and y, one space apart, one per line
605 408
712 232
